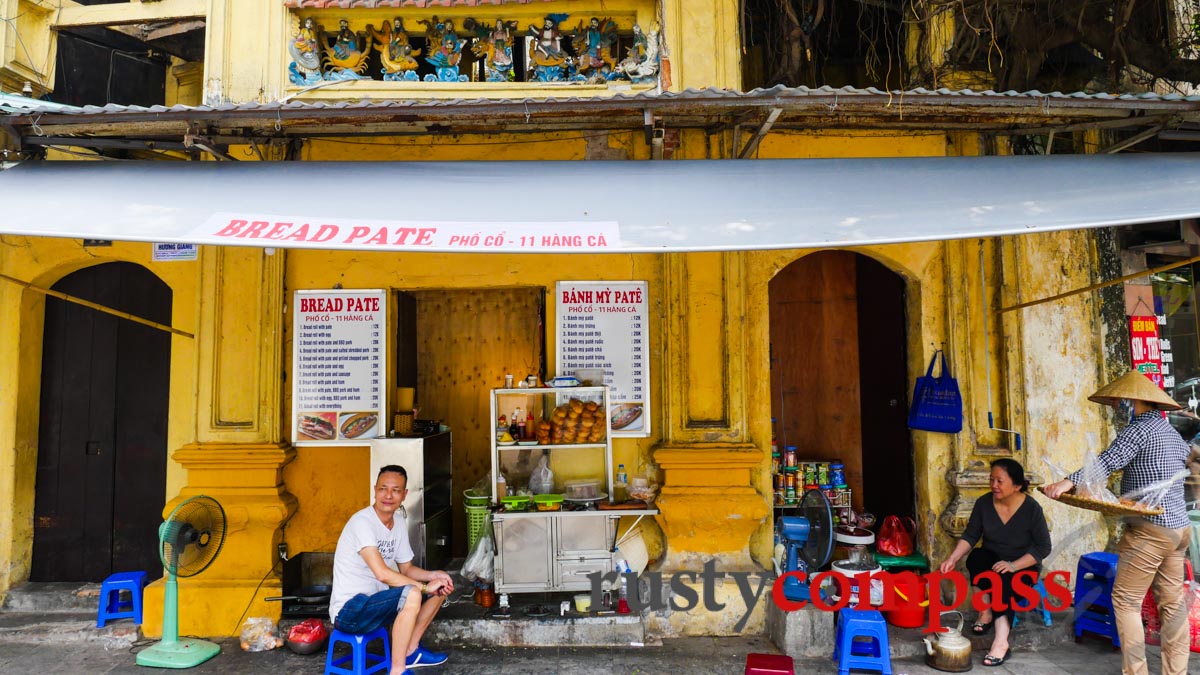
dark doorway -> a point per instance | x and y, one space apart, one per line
838 373
102 437
888 471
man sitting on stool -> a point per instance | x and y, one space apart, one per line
373 577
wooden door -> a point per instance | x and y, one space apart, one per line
467 341
102 438
814 361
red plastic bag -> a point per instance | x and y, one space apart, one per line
1152 622
308 630
894 538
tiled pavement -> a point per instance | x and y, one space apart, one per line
673 657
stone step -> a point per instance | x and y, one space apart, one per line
53 596
809 633
65 627
464 622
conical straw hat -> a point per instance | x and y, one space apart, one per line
1134 386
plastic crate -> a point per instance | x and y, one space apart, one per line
476 518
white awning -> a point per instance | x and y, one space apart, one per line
594 206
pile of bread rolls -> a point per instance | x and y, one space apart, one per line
573 423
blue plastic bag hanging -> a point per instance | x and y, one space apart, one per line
937 404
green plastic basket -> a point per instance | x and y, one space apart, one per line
473 498
476 518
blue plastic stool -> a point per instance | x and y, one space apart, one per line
112 606
1018 607
361 662
862 642
1094 578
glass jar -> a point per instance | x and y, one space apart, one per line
837 474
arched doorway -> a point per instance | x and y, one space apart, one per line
838 375
102 434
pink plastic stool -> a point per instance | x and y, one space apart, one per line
769 664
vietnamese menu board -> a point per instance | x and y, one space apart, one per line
338 357
602 328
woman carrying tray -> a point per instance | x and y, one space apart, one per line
1151 551
1015 537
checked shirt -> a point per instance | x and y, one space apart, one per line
1150 451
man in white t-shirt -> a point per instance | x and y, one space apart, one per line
373 575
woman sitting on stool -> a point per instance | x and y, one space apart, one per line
1015 537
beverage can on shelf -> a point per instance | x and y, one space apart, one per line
823 472
810 473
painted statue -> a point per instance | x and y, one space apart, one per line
396 53
443 51
305 68
595 47
494 45
549 58
346 59
641 64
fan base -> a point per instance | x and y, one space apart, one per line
180 654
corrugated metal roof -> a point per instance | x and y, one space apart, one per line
927 96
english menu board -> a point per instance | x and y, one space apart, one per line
603 329
338 357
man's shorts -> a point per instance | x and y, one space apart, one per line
364 613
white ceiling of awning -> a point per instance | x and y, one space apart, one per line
617 206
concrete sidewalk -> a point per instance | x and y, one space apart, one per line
726 656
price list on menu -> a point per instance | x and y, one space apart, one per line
602 328
338 356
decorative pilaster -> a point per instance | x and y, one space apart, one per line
247 480
241 338
708 507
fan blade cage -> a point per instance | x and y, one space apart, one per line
192 536
818 550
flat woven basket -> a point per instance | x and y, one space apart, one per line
1107 508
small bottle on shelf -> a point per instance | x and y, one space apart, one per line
620 488
529 426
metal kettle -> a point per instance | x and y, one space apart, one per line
949 650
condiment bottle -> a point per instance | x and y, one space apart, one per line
529 425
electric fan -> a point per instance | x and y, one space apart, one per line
809 543
188 542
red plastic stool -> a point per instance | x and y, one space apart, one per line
769 664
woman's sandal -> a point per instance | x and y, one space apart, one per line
982 628
992 661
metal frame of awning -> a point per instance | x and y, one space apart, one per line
712 111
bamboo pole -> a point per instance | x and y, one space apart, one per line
98 307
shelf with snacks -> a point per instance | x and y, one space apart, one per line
569 426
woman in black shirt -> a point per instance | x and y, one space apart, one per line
1015 537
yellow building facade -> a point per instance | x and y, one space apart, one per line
711 351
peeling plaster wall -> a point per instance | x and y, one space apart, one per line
1062 356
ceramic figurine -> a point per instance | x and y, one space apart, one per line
641 65
395 52
347 58
443 51
305 68
595 48
549 58
494 44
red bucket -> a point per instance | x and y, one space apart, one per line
910 602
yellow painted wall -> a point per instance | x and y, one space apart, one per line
43 262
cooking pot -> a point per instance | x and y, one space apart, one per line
309 595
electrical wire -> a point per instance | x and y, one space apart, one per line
254 594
